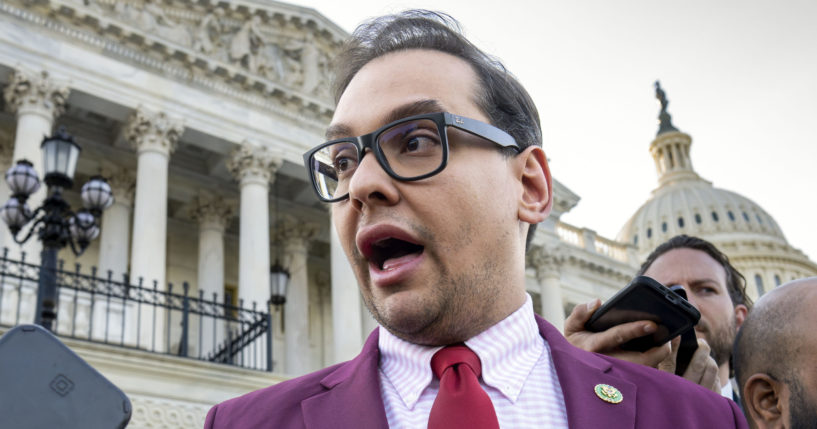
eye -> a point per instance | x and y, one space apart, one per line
411 141
419 138
420 144
345 161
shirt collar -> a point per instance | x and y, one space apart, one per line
508 351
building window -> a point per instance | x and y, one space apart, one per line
714 216
776 280
635 240
759 284
731 215
759 220
745 217
663 227
649 232
698 219
680 222
231 301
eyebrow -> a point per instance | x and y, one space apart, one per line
339 130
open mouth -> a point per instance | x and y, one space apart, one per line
391 252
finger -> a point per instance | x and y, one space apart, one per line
697 364
668 363
580 315
652 357
617 335
709 378
702 369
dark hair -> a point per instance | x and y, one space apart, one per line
735 282
501 97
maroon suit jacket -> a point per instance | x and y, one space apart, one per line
347 395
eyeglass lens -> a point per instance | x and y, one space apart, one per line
410 149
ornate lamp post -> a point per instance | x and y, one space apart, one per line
54 222
278 275
278 283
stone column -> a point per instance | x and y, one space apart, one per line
154 135
547 263
346 304
7 290
114 245
6 154
114 240
253 167
295 237
212 213
37 100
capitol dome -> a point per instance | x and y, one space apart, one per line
685 203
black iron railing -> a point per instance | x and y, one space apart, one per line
132 315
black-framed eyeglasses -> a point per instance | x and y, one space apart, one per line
412 148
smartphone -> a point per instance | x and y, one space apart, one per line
44 384
646 299
689 341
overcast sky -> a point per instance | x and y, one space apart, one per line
741 77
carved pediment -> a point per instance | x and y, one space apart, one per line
270 48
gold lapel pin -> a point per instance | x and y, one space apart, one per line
608 393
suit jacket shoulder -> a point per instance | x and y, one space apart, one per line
342 395
650 398
348 395
281 401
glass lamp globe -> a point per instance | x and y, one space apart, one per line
15 214
22 179
96 194
83 227
278 284
60 153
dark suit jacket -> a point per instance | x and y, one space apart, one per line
347 395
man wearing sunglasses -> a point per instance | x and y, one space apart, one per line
434 168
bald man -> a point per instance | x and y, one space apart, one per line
776 358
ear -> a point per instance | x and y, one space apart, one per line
740 315
536 199
762 396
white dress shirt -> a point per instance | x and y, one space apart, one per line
517 373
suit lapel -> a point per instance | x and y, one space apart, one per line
579 373
352 398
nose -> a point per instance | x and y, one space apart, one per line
370 185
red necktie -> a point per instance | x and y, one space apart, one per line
461 401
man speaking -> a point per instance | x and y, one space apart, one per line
434 168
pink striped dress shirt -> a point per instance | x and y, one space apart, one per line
517 373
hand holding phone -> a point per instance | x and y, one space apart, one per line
646 299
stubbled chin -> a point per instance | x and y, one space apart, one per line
403 312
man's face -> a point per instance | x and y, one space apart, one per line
434 258
704 281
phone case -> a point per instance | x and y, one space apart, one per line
44 384
646 299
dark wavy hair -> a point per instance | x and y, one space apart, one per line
500 96
735 282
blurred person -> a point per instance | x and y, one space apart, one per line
776 358
712 285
